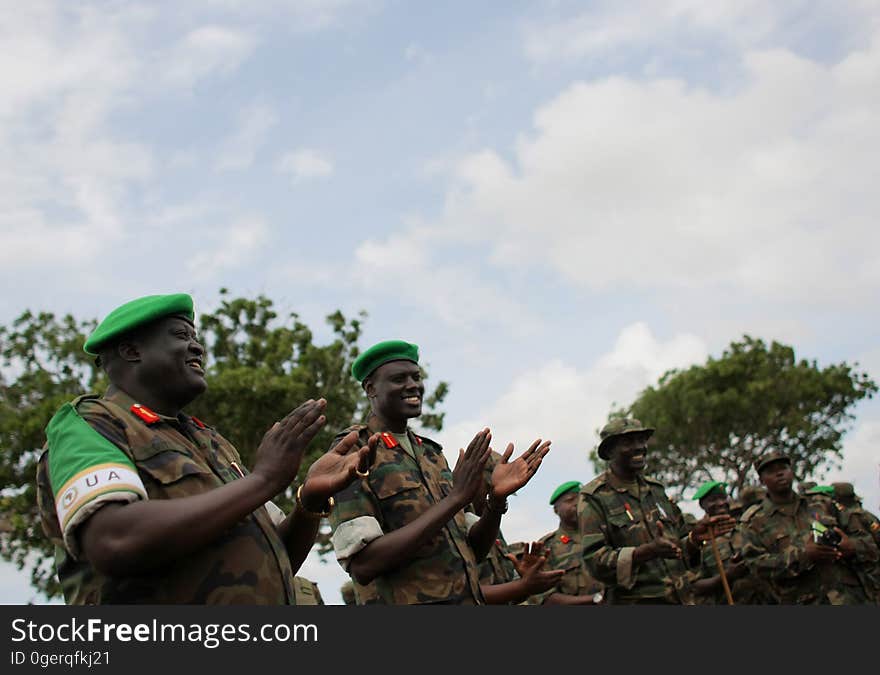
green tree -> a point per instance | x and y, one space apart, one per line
258 366
714 420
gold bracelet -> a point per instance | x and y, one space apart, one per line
315 514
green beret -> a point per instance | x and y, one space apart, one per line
710 486
137 313
379 354
821 490
562 489
620 427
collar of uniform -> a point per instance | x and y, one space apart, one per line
634 489
376 428
772 506
125 401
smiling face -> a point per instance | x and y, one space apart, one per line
171 360
629 454
715 503
396 391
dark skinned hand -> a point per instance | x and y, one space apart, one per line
721 524
281 451
335 469
819 553
663 546
530 569
467 476
846 547
508 477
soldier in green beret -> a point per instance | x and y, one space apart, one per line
146 504
635 539
800 545
401 531
707 583
565 552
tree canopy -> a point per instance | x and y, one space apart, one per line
258 367
714 420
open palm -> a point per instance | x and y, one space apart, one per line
508 477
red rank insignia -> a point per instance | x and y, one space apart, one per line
629 513
198 422
418 440
565 539
145 413
388 439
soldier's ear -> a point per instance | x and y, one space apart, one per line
369 387
128 351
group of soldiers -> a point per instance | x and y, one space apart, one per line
147 504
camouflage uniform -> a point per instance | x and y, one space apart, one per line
398 489
175 458
855 518
747 590
774 539
613 519
306 592
564 551
497 568
347 593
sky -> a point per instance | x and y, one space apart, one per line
557 201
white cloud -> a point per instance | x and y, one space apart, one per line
861 463
254 124
767 191
205 52
232 247
566 404
305 163
681 25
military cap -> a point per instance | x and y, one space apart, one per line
821 490
136 313
562 489
772 456
619 427
708 487
381 353
844 490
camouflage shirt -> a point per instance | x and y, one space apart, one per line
855 518
613 519
399 489
497 568
748 590
174 458
564 551
775 536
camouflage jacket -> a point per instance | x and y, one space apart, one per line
775 536
399 489
748 590
564 551
855 518
613 519
497 568
306 592
174 457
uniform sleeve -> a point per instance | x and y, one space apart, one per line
86 471
611 566
355 521
859 533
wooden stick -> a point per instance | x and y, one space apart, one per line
720 566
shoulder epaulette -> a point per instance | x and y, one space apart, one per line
749 512
648 479
424 440
594 484
547 537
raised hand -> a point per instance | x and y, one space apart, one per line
530 569
280 453
467 476
707 527
336 468
508 477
